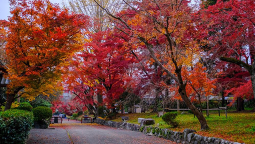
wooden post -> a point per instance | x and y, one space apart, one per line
224 108
207 106
178 105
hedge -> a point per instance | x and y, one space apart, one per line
15 125
169 118
40 102
25 106
42 114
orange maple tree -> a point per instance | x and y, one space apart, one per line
40 37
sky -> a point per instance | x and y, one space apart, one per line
5 8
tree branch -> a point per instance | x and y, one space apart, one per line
238 62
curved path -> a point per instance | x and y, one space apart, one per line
73 132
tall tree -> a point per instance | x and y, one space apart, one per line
165 28
229 27
101 68
40 38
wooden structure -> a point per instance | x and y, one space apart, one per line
3 69
213 109
55 119
87 117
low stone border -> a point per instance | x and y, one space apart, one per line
186 137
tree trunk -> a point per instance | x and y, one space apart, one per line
222 98
253 80
253 86
9 101
122 109
11 97
165 99
155 108
240 104
99 99
178 105
182 92
197 113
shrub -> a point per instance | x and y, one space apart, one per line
100 111
111 115
40 102
15 125
86 112
141 128
80 113
2 96
25 106
169 118
42 114
75 115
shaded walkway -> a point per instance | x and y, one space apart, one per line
73 132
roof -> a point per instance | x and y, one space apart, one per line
3 81
219 98
3 67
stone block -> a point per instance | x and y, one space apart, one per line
140 120
186 132
124 118
147 122
190 136
217 141
160 114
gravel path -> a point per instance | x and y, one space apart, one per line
74 132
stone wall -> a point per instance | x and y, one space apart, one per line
186 137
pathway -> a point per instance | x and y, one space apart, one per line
73 132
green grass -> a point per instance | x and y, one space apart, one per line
238 127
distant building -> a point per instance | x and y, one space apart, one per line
3 81
67 95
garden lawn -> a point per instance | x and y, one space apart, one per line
237 127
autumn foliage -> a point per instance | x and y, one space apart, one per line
40 38
152 45
229 28
101 69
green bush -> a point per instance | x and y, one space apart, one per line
111 115
169 118
100 111
141 128
15 125
80 113
86 112
2 96
25 106
42 114
40 102
75 115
